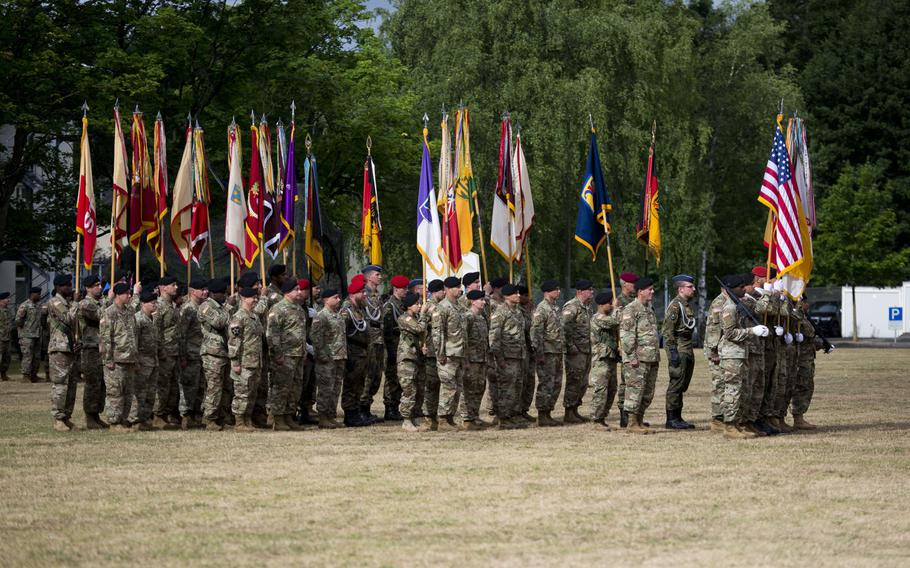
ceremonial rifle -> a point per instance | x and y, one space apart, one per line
743 309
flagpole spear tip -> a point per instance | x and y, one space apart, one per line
369 144
653 131
117 104
426 120
252 118
591 121
137 110
308 142
158 116
84 108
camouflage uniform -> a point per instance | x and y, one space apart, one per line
92 370
604 355
509 350
245 351
491 395
530 376
166 391
476 362
548 340
787 363
638 340
286 335
359 350
449 336
621 302
773 349
5 333
713 331
756 362
804 385
145 378
411 364
392 391
62 320
192 383
576 320
734 353
431 393
679 321
376 364
28 320
330 348
214 320
117 341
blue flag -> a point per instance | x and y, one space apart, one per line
594 205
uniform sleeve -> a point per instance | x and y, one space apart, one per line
439 319
20 316
317 336
90 312
496 322
538 328
568 325
731 330
106 339
628 340
235 341
412 325
273 328
669 325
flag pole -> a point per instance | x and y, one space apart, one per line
189 269
483 250
606 230
528 263
211 255
294 173
261 235
232 273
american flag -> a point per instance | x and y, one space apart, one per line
778 193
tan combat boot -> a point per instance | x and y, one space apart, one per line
213 426
186 423
120 427
731 432
244 424
278 423
602 425
60 426
544 420
717 425
745 431
800 423
159 423
636 427
470 426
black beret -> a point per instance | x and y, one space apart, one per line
522 289
603 298
549 286
167 281
732 280
410 299
470 278
643 283
90 281
148 296
63 280
121 288
289 286
435 285
498 282
476 295
248 279
277 269
583 284
509 289
199 283
452 282
328 293
34 290
217 286
181 289
248 293
746 278
4 295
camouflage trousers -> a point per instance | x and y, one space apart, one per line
329 377
786 377
285 385
431 393
640 386
145 380
803 388
166 388
4 356
680 377
63 385
753 398
260 402
413 379
527 387
621 388
549 381
578 366
603 373
391 389
475 382
717 388
308 395
30 347
93 377
354 377
371 383
451 387
215 369
771 381
492 395
118 384
736 382
190 379
245 384
508 377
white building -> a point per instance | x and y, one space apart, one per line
880 312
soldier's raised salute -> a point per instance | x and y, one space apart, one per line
509 349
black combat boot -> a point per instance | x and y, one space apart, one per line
623 418
679 417
355 419
392 414
762 424
674 422
365 410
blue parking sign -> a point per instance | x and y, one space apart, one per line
895 313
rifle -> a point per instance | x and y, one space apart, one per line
827 346
739 303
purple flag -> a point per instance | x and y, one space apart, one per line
289 196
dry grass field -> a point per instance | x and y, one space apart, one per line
379 497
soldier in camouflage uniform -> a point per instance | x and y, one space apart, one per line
639 344
214 319
192 381
372 309
787 365
477 358
431 394
6 321
576 321
28 321
169 341
62 350
306 411
117 341
756 301
508 347
548 344
391 311
803 387
471 281
359 349
286 334
89 311
245 352
412 324
713 332
604 355
679 323
529 379
330 351
145 378
493 290
449 333
627 295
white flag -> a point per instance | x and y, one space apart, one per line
524 202
235 216
182 205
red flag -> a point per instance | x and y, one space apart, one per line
254 203
143 206
121 195
156 243
85 202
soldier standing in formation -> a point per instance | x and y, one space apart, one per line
62 350
604 356
165 388
755 359
330 351
89 312
412 348
508 346
28 322
306 413
372 278
359 349
548 344
804 385
528 381
576 321
627 295
118 344
245 352
449 332
192 380
214 320
639 344
679 323
5 334
286 333
431 394
391 311
145 378
477 359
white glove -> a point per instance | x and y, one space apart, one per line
767 286
310 350
311 312
788 339
779 285
760 331
778 330
799 337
